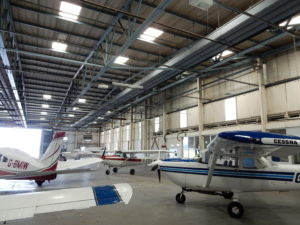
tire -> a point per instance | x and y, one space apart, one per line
115 169
107 172
39 182
227 194
180 198
235 209
132 172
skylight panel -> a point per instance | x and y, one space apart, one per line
46 106
226 53
150 34
295 20
121 60
82 100
69 11
47 97
58 46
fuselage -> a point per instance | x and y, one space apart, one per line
14 161
192 174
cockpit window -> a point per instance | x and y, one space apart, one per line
4 159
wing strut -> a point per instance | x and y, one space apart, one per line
211 167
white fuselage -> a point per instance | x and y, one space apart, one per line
14 161
193 175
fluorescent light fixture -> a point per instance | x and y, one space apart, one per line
65 138
59 46
44 113
82 100
226 53
47 97
100 118
222 55
108 112
132 86
104 86
71 115
150 34
121 60
75 108
46 106
69 11
295 20
94 122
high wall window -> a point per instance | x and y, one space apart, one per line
230 109
156 124
140 130
183 118
127 132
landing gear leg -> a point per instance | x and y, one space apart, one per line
180 197
235 209
132 172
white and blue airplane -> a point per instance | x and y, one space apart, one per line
236 162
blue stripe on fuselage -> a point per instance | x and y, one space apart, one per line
265 175
105 195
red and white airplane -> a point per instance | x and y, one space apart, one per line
131 158
16 164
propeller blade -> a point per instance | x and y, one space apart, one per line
154 167
158 174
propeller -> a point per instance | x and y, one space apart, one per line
156 167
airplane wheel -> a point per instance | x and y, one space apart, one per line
107 172
235 209
132 171
180 198
115 169
227 194
39 182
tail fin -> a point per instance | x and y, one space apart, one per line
50 158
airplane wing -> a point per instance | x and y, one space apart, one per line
26 205
146 151
76 164
255 144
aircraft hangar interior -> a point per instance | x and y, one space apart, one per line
150 112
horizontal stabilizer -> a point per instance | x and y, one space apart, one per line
21 206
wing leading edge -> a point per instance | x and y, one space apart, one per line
22 206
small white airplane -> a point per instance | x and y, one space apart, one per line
21 206
16 164
130 158
86 152
236 162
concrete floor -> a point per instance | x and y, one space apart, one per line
154 203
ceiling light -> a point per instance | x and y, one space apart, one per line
42 118
295 20
150 34
69 11
71 115
94 122
202 4
45 106
82 100
121 60
44 113
47 97
100 118
226 53
75 108
104 86
59 46
65 138
108 112
132 86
